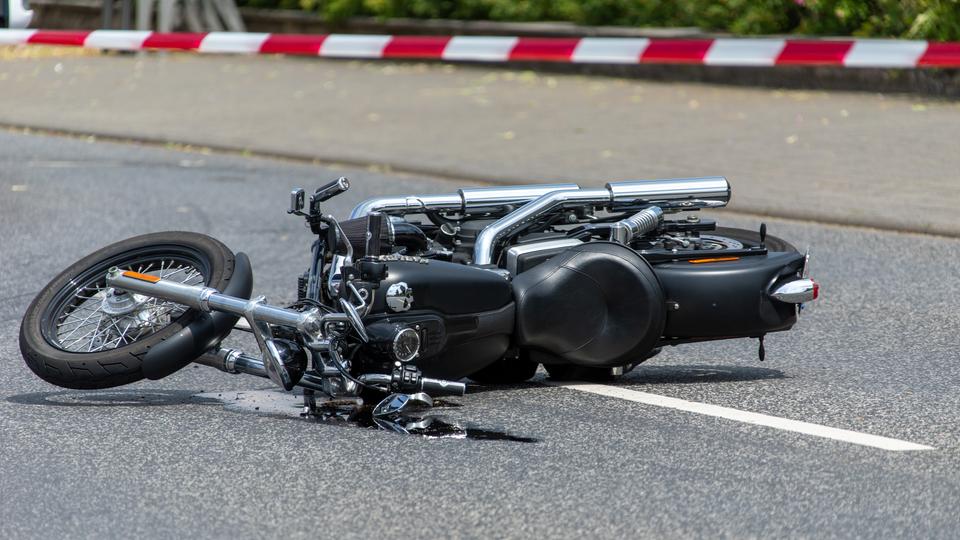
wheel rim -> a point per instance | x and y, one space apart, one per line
714 242
87 316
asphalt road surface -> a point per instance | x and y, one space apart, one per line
852 158
191 456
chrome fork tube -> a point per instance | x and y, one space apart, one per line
208 299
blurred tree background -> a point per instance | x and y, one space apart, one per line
922 19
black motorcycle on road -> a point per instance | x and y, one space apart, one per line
413 293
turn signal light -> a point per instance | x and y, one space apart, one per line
713 259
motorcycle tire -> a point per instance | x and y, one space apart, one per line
752 238
61 343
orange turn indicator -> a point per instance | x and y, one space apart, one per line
141 277
714 259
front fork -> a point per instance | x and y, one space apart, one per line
283 361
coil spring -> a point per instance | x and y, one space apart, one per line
644 221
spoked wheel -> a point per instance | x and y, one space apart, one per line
80 333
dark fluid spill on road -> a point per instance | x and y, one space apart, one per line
427 426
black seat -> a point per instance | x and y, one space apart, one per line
599 304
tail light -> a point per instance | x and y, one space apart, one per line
797 291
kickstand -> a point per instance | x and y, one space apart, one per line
309 402
761 352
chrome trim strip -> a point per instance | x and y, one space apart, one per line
514 253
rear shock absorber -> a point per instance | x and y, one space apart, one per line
643 222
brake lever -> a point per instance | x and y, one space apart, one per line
355 321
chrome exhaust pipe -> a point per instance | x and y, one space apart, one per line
461 201
713 189
233 361
670 195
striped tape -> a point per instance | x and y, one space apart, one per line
711 52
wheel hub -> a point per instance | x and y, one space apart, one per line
118 302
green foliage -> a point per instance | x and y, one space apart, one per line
920 19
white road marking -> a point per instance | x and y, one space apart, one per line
865 439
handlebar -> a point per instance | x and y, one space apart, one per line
436 387
330 190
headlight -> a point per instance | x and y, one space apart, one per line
406 345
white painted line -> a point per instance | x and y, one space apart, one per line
354 46
744 52
479 48
232 42
885 53
610 50
116 40
875 441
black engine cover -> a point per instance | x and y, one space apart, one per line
465 315
599 304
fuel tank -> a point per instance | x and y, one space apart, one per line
465 315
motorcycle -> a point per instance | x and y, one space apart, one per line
412 294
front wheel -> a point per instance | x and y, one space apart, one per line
79 333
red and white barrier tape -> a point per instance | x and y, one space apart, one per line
711 52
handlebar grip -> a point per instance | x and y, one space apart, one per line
436 387
331 190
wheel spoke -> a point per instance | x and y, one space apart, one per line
90 320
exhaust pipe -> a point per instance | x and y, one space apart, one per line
461 201
670 195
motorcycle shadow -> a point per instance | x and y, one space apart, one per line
655 375
697 374
111 398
